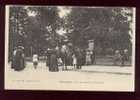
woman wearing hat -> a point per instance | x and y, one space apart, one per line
19 63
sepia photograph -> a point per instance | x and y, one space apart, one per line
73 48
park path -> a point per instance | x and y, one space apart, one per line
108 78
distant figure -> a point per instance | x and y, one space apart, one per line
13 58
53 62
117 57
35 60
74 61
93 57
83 57
46 58
58 54
88 58
69 58
48 54
79 58
64 57
124 57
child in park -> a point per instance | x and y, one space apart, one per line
74 61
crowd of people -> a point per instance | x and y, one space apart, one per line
121 56
64 56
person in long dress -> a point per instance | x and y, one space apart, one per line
124 57
13 58
64 57
53 62
117 57
19 59
93 57
74 61
35 60
88 58
79 58
48 54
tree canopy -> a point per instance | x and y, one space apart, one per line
36 27
109 27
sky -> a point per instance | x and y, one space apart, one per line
63 11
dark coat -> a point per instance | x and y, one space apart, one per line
53 62
18 61
79 57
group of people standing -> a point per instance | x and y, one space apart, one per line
120 57
64 56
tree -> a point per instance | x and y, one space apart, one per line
46 22
109 27
33 27
18 20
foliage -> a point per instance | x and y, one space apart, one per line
35 28
109 27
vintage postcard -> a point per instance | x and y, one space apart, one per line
70 48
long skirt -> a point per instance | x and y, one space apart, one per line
53 63
88 59
19 64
